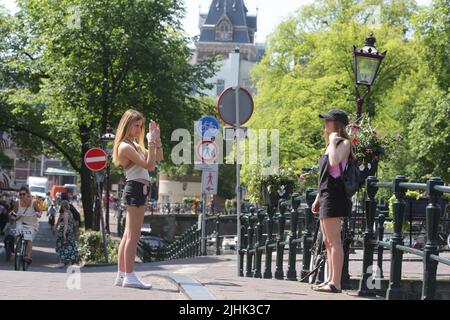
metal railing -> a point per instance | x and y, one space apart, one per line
430 253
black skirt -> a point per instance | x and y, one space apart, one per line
135 193
333 200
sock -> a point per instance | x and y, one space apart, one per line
120 277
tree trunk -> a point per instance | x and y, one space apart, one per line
87 191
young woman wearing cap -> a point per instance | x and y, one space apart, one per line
331 202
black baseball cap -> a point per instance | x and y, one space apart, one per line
337 115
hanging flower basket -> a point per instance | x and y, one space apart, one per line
273 189
370 147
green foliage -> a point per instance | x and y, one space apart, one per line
5 161
90 247
409 194
230 203
308 69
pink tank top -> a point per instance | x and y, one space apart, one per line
334 171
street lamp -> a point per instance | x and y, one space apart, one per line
108 136
367 61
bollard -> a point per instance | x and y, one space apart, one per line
394 291
281 219
433 213
268 259
259 241
310 197
192 241
292 272
217 234
371 206
381 220
243 244
197 242
250 230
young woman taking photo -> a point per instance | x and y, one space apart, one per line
137 160
331 202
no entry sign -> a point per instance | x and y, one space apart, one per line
95 159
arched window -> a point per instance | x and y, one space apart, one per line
224 31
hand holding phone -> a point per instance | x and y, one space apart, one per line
153 135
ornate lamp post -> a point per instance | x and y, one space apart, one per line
107 137
367 61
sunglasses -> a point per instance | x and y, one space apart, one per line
22 194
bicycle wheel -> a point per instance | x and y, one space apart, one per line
18 253
318 266
24 254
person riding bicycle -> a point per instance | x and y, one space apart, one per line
27 212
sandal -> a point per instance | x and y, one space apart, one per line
28 260
332 289
323 284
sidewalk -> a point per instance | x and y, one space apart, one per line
44 280
205 278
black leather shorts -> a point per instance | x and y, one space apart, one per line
135 193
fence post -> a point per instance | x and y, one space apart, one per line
243 243
310 197
191 242
217 234
371 207
381 220
197 242
268 259
292 272
433 214
250 230
280 239
259 234
394 291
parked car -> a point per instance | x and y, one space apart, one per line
154 241
146 230
229 243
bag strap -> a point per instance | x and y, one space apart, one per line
348 160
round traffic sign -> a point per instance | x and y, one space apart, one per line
207 151
226 106
95 159
207 127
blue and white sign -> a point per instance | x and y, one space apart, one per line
207 127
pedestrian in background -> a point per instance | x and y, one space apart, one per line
66 245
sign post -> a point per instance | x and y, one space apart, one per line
235 107
96 160
207 151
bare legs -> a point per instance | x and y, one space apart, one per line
130 238
335 252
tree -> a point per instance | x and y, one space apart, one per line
308 69
95 59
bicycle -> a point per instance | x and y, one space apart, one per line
318 267
24 233
9 247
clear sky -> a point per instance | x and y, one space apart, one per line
270 13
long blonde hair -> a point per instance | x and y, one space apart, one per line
339 127
128 119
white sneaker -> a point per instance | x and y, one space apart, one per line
132 281
119 280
